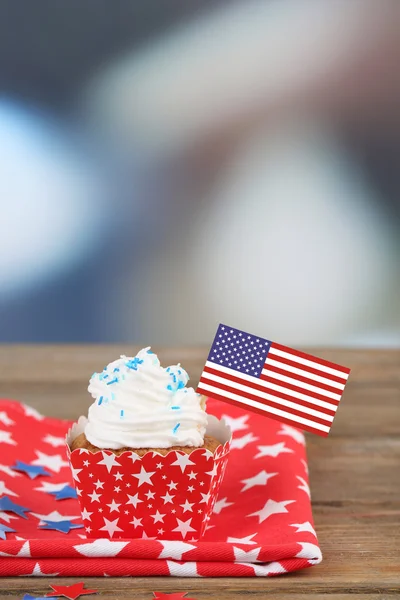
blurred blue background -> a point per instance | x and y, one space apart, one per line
165 166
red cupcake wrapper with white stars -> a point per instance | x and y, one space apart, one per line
169 497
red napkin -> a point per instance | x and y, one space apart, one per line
262 523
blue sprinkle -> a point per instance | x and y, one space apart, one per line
112 396
169 387
115 380
175 429
100 400
133 364
175 407
105 376
150 352
122 414
116 370
181 385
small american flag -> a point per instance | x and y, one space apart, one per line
274 380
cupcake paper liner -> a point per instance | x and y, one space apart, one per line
160 497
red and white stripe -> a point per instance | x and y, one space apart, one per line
294 387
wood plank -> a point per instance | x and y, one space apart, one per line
76 363
227 594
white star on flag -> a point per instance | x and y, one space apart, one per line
186 569
304 486
167 498
114 506
134 500
86 515
184 527
265 569
101 547
136 522
45 486
306 526
7 517
110 526
187 506
193 475
149 495
158 517
109 460
5 419
244 540
175 549
37 572
118 476
5 490
274 450
271 508
172 485
54 462
55 516
54 441
244 556
5 436
292 432
94 496
32 412
182 460
260 479
236 424
218 506
144 476
305 465
24 552
99 484
243 441
311 552
9 471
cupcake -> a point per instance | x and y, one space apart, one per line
148 461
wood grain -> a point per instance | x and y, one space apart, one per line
355 474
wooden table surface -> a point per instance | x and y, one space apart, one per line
354 475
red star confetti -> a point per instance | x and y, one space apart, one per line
175 596
70 591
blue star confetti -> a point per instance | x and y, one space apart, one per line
7 504
30 470
62 526
3 530
65 493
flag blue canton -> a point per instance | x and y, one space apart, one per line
239 351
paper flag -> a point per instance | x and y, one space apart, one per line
276 381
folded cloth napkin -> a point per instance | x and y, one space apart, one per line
262 522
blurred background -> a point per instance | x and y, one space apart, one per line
165 166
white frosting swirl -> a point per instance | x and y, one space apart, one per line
139 404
